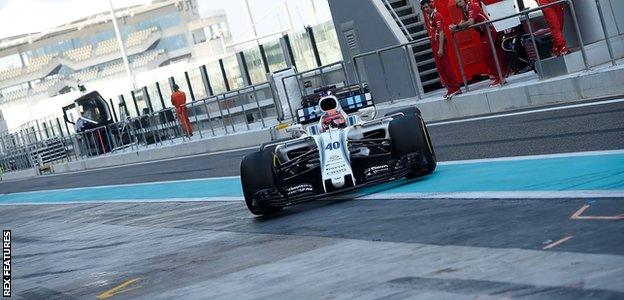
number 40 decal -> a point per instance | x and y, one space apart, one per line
333 146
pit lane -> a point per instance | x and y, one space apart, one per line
484 234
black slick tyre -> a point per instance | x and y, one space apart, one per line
409 135
256 175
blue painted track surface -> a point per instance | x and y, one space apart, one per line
604 172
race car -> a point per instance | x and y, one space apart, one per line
337 151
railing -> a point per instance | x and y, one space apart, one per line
398 20
231 111
414 66
487 24
248 108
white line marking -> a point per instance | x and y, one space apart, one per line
582 194
205 199
526 112
486 195
532 157
559 242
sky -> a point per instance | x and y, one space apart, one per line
26 16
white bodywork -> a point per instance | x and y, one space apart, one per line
333 143
334 157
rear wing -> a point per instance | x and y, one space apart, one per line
350 100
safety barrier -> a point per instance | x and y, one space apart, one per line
244 109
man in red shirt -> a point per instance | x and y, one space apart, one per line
435 27
472 13
554 18
178 99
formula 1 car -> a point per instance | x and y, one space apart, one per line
337 152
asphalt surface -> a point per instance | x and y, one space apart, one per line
599 127
333 249
393 249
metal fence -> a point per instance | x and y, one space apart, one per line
247 108
409 55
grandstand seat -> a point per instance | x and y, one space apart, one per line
79 54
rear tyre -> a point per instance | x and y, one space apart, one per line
409 135
412 110
257 175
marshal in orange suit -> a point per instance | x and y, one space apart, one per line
178 99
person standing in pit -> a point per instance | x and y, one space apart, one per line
439 45
178 99
554 18
473 13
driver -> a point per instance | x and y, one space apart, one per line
333 119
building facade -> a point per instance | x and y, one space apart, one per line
42 65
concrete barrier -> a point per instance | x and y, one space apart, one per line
16 175
578 87
228 142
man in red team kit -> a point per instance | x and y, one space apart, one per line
554 18
472 13
178 99
439 45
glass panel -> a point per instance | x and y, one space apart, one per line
153 93
233 73
254 65
197 84
121 114
275 56
165 89
141 102
327 43
216 78
302 51
130 104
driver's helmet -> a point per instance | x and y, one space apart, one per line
333 119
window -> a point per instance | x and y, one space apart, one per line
172 43
197 84
141 101
233 72
154 98
302 51
130 104
327 43
216 78
275 56
253 59
165 89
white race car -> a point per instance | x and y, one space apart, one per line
338 151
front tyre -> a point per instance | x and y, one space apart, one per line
409 135
257 175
